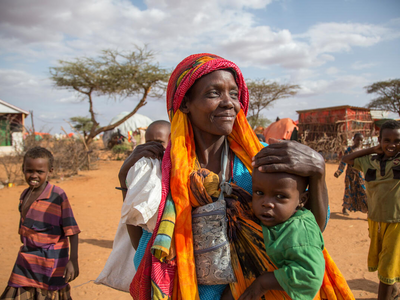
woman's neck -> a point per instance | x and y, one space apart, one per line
209 150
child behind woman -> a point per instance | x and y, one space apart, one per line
43 268
292 237
157 133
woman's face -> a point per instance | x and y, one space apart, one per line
213 103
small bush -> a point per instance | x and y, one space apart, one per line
121 151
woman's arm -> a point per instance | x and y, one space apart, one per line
150 149
295 158
342 165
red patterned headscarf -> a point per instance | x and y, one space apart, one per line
194 67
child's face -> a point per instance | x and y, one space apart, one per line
358 140
390 142
158 133
276 197
36 171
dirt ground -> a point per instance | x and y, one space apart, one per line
96 205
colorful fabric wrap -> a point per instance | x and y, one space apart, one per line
167 270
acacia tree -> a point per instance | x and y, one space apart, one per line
114 74
388 95
262 95
82 124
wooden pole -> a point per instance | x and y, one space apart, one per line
33 125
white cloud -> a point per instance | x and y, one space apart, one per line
40 32
345 84
47 29
16 80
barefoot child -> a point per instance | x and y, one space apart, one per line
381 166
43 269
292 237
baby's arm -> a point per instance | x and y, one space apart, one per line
260 286
349 158
302 272
72 268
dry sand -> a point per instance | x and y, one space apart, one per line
96 205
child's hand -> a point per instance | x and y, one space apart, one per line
337 174
253 292
378 149
71 271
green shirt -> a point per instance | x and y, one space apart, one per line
295 247
382 185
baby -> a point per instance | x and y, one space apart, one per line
292 237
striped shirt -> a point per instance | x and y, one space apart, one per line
44 254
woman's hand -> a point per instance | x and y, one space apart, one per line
265 282
253 292
150 150
290 157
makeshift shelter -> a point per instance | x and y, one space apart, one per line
330 130
333 121
282 129
12 127
126 128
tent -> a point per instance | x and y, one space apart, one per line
132 124
282 130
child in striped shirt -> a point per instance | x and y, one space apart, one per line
44 266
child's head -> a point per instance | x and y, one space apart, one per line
277 196
358 139
389 138
38 163
158 131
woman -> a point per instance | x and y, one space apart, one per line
207 100
355 198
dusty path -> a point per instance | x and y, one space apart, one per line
97 204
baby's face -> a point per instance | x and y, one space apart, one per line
276 197
158 133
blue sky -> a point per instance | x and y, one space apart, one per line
332 49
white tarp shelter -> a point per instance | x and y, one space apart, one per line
12 127
133 123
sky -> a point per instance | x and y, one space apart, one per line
331 48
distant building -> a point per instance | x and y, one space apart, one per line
335 121
12 127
